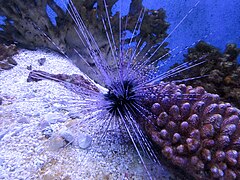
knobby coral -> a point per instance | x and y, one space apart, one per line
194 130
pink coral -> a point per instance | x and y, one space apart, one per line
194 130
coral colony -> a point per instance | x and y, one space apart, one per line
185 126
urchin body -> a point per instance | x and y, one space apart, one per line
121 96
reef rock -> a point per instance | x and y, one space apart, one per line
220 72
73 82
6 53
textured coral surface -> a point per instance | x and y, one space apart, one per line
194 130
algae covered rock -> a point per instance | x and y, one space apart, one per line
221 72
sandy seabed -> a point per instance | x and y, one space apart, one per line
26 154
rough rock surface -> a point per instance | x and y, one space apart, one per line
6 53
221 72
74 82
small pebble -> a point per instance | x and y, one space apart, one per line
71 123
47 132
83 141
1 161
12 168
67 136
39 163
74 115
62 120
53 118
29 67
44 124
56 143
23 120
41 61
33 114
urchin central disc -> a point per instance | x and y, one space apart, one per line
121 97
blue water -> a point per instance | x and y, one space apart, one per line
219 18
222 18
216 22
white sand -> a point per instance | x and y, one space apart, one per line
26 154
